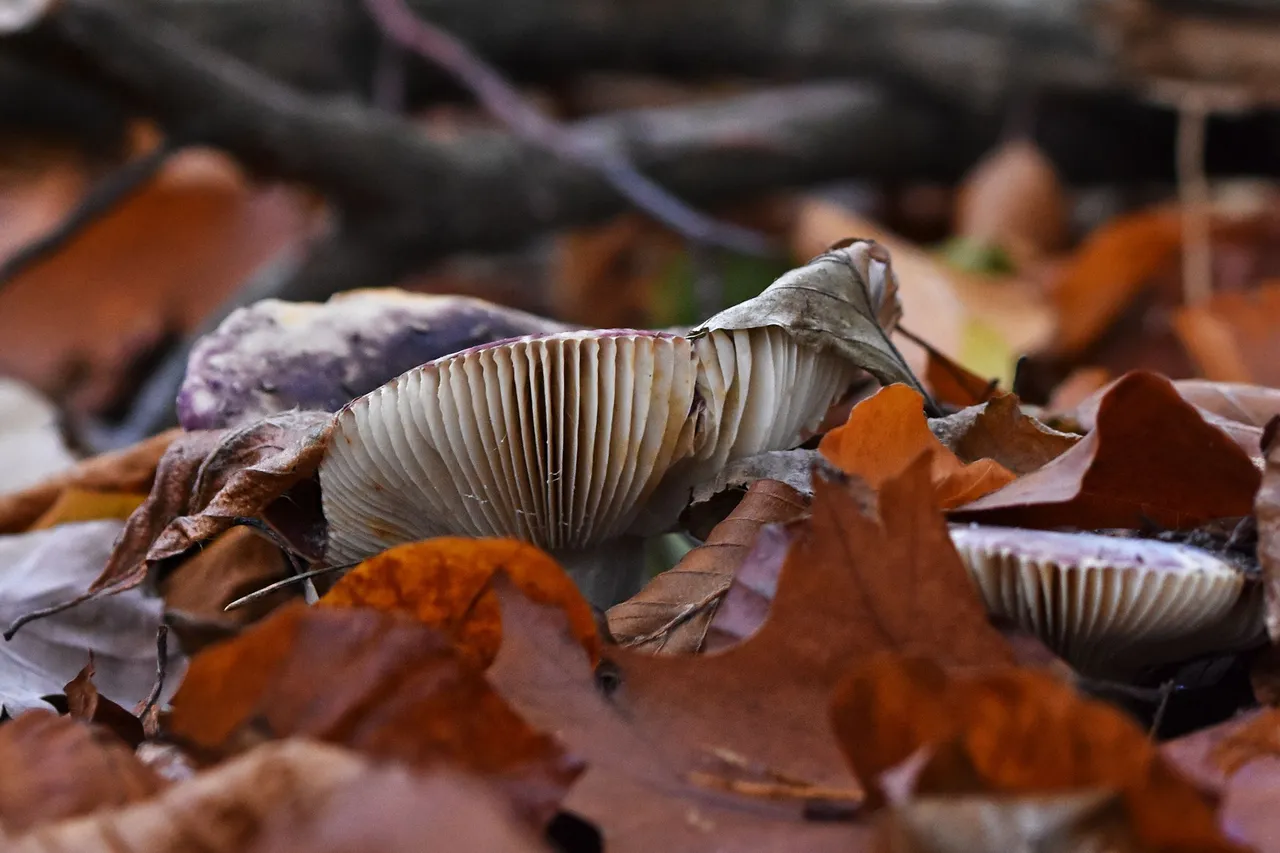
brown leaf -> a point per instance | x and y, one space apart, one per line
950 382
76 504
380 683
1253 405
746 603
1000 431
1107 271
392 810
55 767
446 583
1208 757
223 810
852 585
85 704
233 565
208 479
1151 458
1013 199
1248 811
672 613
132 469
887 431
1012 731
1232 337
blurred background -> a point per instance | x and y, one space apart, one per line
1069 190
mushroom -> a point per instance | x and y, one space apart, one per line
273 356
579 442
1111 605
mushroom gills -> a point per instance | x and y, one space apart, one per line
1111 606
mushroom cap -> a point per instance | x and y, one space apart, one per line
1110 605
273 356
565 441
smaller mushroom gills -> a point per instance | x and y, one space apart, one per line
1110 606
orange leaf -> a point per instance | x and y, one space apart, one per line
76 504
888 430
1013 731
447 583
953 383
1233 337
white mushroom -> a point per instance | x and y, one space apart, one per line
1111 605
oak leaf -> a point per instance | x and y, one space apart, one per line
1151 458
380 683
887 431
55 767
1012 731
446 583
672 614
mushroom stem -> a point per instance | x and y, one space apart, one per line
609 573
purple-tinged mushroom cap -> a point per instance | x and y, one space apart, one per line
1112 605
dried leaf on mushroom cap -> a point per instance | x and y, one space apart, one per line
1110 605
273 356
845 301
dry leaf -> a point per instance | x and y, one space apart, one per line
392 810
446 583
1107 271
50 567
379 683
1248 812
274 356
941 305
55 767
672 614
1013 731
1001 432
220 811
1232 337
1209 756
206 480
153 266
887 431
1151 458
76 504
745 604
1253 405
233 565
1012 199
85 704
132 469
1267 511
853 584
952 383
31 445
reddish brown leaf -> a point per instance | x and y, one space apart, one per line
950 382
1013 199
208 479
1011 731
55 767
673 613
999 431
852 585
746 603
380 683
1232 337
447 583
130 470
887 431
85 704
1151 458
233 565
391 810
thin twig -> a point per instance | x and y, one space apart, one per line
162 667
775 790
399 24
1193 194
281 584
101 199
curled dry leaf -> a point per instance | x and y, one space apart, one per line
130 470
52 768
953 383
393 810
1012 731
998 430
1013 199
223 810
1150 458
447 583
379 683
31 445
887 431
853 584
206 480
672 614
274 356
49 567
85 704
